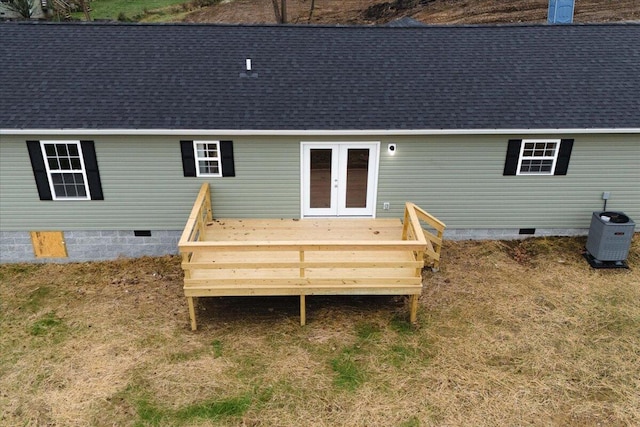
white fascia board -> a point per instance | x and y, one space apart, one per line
313 132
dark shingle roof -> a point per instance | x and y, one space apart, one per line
177 76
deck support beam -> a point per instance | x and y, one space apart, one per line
303 310
192 312
413 303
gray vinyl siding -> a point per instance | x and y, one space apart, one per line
267 181
457 178
144 187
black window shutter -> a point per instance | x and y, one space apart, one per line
226 150
91 169
562 163
188 158
513 153
39 170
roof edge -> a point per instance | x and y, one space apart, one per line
110 22
316 132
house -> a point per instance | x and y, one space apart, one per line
107 131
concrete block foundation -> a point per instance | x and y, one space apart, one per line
103 245
16 246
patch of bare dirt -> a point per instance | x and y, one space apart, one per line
500 11
261 12
368 12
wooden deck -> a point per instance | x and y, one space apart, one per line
235 257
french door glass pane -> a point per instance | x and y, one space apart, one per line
357 177
320 178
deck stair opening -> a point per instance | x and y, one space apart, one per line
274 257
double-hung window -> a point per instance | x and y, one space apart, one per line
538 157
207 158
66 170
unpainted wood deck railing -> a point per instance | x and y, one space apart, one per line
322 267
412 228
200 215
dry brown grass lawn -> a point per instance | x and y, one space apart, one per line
510 333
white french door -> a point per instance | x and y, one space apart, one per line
339 179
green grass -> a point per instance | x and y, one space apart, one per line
111 9
17 270
368 331
349 373
46 325
217 348
150 414
143 10
349 367
215 410
402 326
403 353
411 422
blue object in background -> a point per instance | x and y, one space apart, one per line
560 11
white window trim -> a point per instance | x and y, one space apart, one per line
49 172
197 159
553 163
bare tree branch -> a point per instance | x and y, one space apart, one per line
280 11
313 6
276 11
283 11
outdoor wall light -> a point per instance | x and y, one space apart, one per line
391 148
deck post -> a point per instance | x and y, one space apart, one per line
413 303
419 257
436 263
303 311
301 261
405 222
192 313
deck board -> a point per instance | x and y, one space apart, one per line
294 273
320 229
373 257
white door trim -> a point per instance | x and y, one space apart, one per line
305 177
338 210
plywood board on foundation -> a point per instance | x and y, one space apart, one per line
48 244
